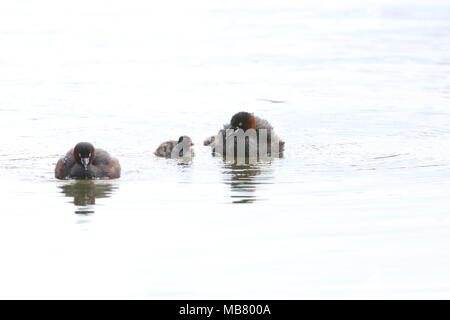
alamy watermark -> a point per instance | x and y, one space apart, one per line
249 146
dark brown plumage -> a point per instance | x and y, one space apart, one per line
86 162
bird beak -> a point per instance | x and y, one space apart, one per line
192 143
85 162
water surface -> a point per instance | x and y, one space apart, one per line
358 207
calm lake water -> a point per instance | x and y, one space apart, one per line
359 207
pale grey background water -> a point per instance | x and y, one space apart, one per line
357 208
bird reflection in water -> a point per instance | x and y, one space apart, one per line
85 193
245 180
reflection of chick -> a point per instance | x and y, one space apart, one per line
176 149
246 121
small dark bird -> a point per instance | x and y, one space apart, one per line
176 149
245 121
86 162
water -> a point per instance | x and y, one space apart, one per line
357 208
